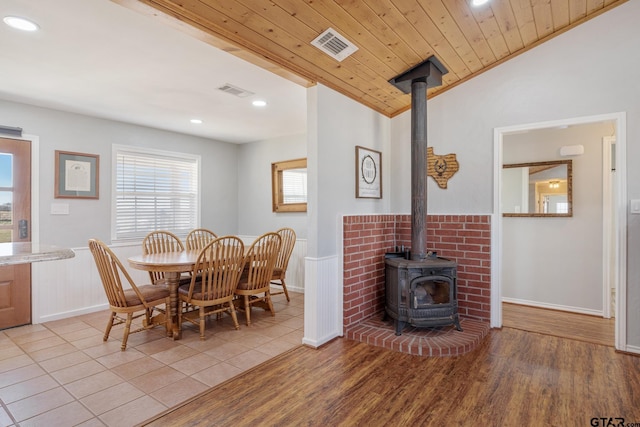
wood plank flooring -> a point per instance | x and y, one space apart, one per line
575 326
513 378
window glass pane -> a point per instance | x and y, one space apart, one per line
6 170
6 216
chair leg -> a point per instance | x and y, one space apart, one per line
109 325
202 319
232 310
148 314
267 297
127 328
247 309
284 288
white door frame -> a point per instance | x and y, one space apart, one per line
609 249
620 189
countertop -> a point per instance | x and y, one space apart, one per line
26 252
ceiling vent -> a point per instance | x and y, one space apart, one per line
234 90
334 44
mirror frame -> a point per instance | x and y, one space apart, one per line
569 188
277 193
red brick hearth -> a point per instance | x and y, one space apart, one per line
439 341
465 239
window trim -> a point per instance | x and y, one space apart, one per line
116 148
277 196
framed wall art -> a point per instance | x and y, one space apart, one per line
368 173
76 175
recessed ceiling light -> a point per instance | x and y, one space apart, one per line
196 121
20 23
478 2
259 103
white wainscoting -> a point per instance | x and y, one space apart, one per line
322 306
72 287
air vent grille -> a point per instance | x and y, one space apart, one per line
234 90
334 44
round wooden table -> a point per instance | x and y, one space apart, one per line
172 264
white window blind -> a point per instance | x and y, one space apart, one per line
294 185
154 191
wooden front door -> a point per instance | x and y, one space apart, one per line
15 226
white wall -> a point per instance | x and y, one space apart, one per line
255 214
341 125
557 262
588 71
59 130
336 124
453 126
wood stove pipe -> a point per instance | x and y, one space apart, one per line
416 81
418 170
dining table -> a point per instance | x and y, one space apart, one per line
172 264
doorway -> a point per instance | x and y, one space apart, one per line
619 200
15 226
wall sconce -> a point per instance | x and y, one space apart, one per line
554 184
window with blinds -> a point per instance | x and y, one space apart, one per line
289 185
154 190
294 185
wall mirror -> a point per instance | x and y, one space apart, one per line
289 185
540 189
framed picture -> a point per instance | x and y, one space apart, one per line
368 173
76 175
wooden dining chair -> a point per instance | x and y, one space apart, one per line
288 236
160 241
254 286
122 301
199 238
219 266
196 240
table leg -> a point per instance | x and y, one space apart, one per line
173 280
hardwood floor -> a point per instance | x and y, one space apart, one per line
575 326
513 378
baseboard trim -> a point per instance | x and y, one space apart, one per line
319 342
631 349
72 313
559 307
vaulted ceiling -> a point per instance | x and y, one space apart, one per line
391 36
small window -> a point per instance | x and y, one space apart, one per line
289 185
154 190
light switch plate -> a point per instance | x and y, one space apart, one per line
59 208
635 206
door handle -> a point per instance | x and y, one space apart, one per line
23 229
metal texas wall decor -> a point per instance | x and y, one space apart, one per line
441 168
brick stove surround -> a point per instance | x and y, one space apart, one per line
465 239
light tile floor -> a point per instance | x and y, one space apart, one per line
61 373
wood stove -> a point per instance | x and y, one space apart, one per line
421 290
421 293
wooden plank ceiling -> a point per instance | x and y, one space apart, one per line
391 35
